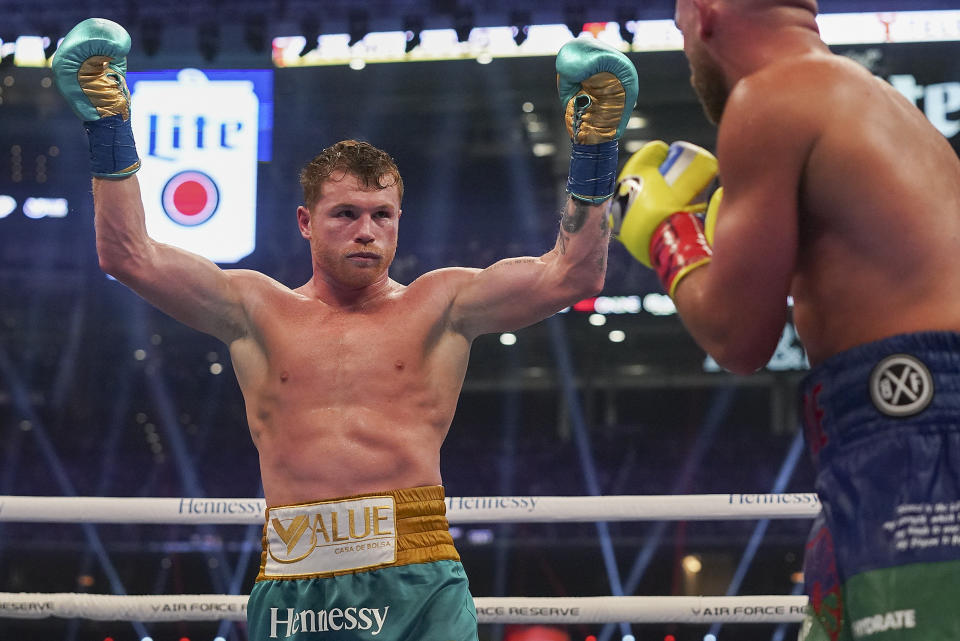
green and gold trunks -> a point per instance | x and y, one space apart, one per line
379 566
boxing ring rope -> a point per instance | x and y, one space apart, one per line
562 610
499 509
471 509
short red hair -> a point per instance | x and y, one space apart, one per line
373 167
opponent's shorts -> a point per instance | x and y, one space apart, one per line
378 566
882 423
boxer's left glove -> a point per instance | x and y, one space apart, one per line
90 68
654 212
598 88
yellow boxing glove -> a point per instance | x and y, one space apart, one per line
653 213
710 224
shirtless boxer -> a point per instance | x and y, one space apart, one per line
351 380
837 191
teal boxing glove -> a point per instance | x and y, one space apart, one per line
598 87
90 70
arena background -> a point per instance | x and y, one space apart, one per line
100 395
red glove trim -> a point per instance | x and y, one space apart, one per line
678 246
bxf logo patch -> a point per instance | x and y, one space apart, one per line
901 385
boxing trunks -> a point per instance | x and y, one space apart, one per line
882 423
378 566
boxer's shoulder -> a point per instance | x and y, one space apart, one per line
443 282
799 84
256 291
257 282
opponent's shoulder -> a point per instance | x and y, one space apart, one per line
788 103
803 84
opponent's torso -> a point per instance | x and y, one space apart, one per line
342 401
879 218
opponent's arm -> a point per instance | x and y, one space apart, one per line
729 281
89 70
598 88
737 307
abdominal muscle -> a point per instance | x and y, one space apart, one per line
311 454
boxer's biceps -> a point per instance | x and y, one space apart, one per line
191 289
506 295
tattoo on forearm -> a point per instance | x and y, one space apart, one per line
572 221
601 259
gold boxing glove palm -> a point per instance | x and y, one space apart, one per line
653 212
598 89
90 69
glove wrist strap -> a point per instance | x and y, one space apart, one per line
678 246
593 171
113 153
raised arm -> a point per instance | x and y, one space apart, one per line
598 88
89 69
188 287
516 292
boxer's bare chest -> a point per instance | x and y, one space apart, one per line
312 348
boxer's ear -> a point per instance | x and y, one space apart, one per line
706 17
303 221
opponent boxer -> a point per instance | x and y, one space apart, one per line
351 380
837 191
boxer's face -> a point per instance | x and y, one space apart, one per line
706 76
352 230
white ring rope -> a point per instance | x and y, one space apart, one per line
499 509
470 509
605 609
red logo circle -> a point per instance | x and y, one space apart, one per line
190 198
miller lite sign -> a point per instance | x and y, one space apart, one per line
198 143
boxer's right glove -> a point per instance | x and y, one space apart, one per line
90 68
654 213
598 88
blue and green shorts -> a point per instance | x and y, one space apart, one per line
379 566
882 422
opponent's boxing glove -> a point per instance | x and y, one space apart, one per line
598 88
90 71
710 221
654 212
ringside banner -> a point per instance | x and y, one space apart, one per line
200 135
